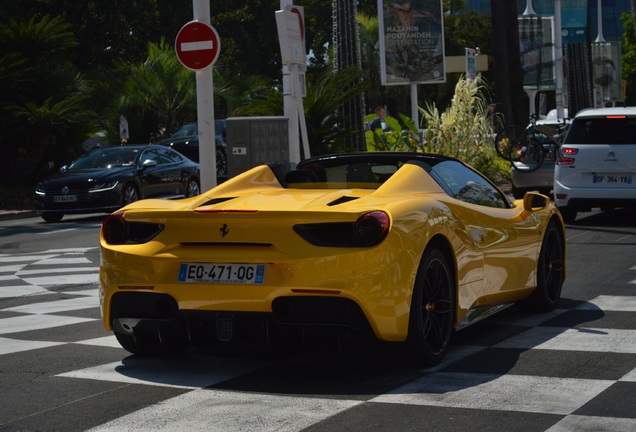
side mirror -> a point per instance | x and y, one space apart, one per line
149 163
533 201
63 168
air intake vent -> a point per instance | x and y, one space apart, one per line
216 201
342 200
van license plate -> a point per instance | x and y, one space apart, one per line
613 178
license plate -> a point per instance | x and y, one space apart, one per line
64 198
612 178
226 273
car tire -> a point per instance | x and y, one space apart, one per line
52 217
221 162
518 193
550 272
568 214
432 315
192 188
129 194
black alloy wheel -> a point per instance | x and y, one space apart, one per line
129 194
550 273
432 311
192 188
221 162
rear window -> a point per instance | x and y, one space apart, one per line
604 130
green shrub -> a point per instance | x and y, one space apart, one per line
465 130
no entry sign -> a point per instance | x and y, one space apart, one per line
197 45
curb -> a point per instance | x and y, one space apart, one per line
16 214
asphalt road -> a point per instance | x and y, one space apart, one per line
573 369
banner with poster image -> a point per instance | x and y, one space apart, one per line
411 42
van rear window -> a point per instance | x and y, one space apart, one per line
605 130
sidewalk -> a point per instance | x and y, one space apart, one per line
16 202
16 214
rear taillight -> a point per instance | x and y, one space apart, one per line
117 230
565 161
368 230
371 228
565 155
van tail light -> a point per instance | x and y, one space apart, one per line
565 161
565 155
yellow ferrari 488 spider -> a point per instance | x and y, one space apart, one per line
402 247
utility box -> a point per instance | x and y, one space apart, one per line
253 141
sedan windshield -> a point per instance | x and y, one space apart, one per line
105 158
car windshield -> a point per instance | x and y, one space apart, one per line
189 129
106 158
332 175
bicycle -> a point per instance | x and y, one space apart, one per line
526 148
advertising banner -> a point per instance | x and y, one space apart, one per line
411 42
606 72
537 52
573 17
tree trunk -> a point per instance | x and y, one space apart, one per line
348 54
510 97
634 12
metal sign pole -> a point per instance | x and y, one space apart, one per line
290 105
558 43
205 108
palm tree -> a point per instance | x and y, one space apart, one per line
163 92
634 12
46 99
326 94
370 56
160 86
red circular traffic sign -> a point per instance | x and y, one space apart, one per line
197 45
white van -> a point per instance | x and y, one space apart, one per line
596 165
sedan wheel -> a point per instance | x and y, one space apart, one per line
221 162
550 273
432 311
52 217
129 194
192 189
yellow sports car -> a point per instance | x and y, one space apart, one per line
403 247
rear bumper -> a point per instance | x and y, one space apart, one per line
542 178
154 321
584 199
